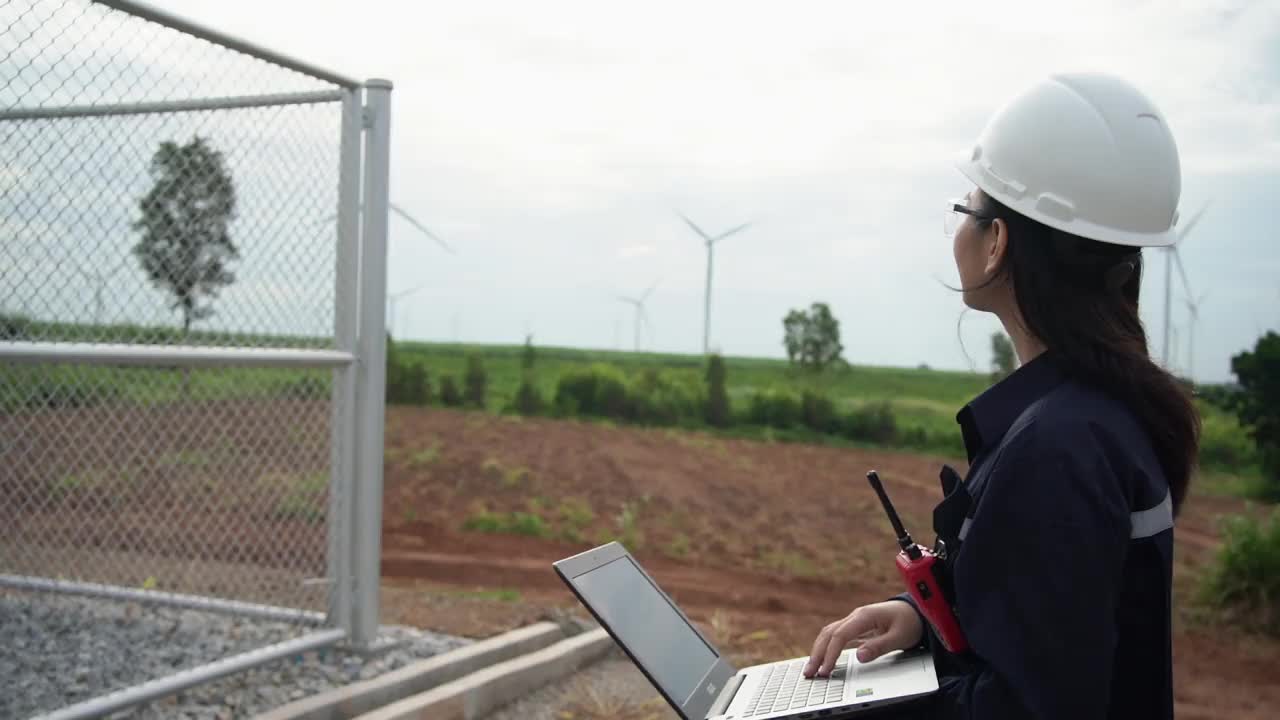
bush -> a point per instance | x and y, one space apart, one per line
477 382
872 423
1258 405
599 390
719 414
776 408
449 394
515 523
308 387
528 401
1225 445
665 398
1244 581
52 387
817 412
406 382
15 327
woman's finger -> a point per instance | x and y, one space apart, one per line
853 628
819 650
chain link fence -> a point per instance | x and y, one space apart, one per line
165 191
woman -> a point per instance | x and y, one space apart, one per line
1059 541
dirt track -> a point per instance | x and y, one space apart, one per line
760 543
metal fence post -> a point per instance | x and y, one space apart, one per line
346 320
370 398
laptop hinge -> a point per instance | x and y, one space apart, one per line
726 696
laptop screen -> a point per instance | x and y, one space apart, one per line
658 636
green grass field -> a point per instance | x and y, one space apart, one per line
920 398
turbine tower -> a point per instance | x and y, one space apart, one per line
711 244
1171 257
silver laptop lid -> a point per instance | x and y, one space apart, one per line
682 664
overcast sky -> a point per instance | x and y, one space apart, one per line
550 143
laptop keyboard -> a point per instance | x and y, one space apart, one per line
785 688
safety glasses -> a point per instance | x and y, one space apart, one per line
953 215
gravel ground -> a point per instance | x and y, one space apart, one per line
612 689
59 650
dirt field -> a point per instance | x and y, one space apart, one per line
792 530
229 500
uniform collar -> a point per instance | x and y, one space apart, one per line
985 420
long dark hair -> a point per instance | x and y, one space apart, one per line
1079 297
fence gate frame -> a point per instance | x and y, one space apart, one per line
354 519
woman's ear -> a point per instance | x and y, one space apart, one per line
997 244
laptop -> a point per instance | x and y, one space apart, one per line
695 678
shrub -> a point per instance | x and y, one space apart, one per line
15 327
774 408
528 355
575 392
872 423
528 401
1244 581
665 398
599 390
1258 405
611 398
817 412
307 387
1225 445
449 394
515 523
719 413
477 381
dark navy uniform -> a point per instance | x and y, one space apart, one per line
1061 553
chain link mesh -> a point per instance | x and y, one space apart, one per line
122 221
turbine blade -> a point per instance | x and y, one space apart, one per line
694 226
646 294
1182 272
731 231
1182 233
412 221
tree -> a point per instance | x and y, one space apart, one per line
1002 357
476 382
793 329
185 246
450 396
718 414
1258 404
528 356
812 338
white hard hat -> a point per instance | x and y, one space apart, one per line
1087 154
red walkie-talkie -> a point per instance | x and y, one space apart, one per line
922 571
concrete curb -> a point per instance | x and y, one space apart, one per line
351 700
479 693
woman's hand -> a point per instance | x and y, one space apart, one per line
873 629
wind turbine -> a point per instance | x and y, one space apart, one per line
1173 257
711 244
642 318
391 304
